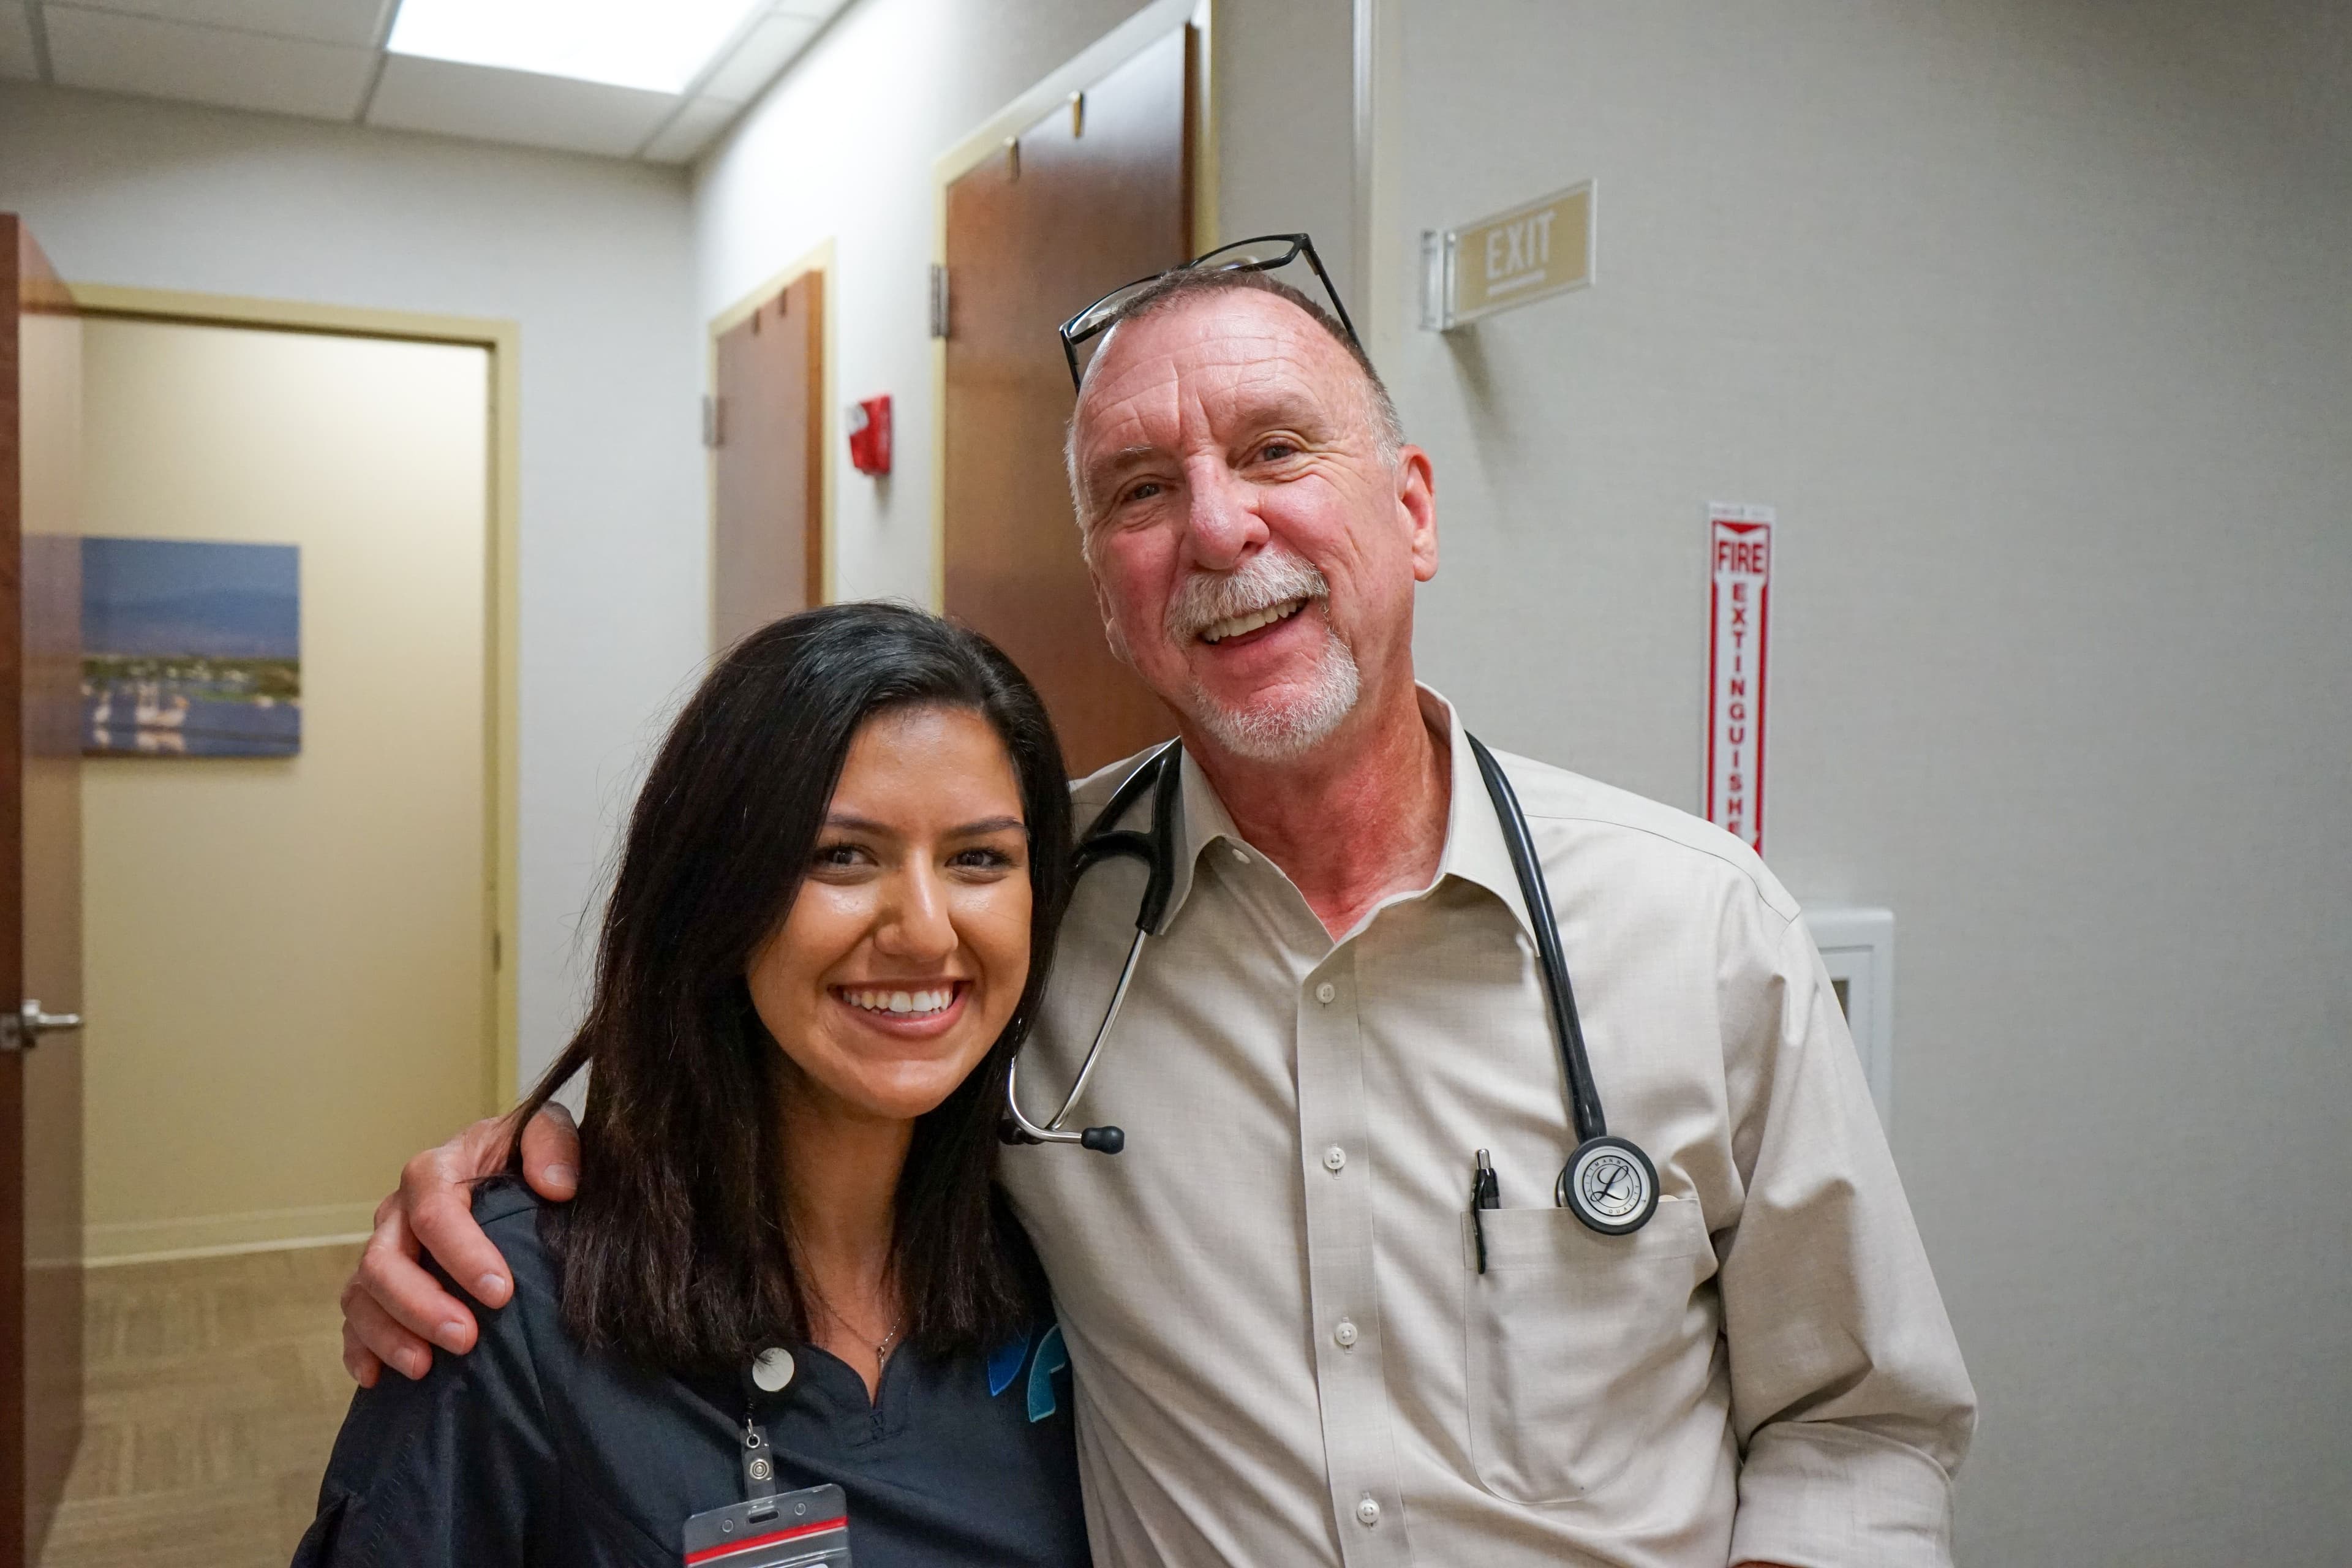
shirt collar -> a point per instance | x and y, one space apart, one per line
1475 847
1202 822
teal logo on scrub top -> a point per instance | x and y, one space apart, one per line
1005 1361
1050 1359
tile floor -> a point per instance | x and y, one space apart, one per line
215 1390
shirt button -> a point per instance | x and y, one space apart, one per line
1335 1159
1345 1334
1368 1514
1326 991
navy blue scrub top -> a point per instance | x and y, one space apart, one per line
532 1451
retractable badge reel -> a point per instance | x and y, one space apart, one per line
806 1529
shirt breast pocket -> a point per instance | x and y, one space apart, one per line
1578 1346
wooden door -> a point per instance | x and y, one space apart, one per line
767 467
40 893
1092 196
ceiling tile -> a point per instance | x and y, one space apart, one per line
691 131
516 106
207 65
18 62
358 23
756 60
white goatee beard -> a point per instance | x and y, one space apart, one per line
1276 728
1275 725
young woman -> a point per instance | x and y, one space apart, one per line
785 1266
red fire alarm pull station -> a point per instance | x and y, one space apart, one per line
869 435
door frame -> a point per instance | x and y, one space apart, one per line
501 612
1090 64
818 259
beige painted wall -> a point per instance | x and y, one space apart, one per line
2032 317
286 964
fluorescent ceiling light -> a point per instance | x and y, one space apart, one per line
657 44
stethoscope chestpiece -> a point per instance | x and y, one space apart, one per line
1609 1185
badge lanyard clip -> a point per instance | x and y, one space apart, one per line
759 1468
804 1529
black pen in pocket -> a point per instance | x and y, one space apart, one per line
1485 1192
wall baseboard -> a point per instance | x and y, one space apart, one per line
214 1236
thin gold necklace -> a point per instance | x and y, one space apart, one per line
882 1347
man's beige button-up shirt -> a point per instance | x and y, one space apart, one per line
1284 1351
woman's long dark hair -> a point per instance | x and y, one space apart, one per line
677 1252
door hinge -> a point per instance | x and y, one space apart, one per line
938 300
1433 281
711 432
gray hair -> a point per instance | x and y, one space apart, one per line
1380 408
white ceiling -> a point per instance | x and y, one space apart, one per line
325 60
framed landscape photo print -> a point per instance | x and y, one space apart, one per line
191 649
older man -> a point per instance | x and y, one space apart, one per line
1292 1343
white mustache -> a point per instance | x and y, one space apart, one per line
1268 579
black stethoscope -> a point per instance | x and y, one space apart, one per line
1607 1182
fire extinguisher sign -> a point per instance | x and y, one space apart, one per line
1739 552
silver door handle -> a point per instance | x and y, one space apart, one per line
22 1029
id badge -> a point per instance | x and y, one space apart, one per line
791 1529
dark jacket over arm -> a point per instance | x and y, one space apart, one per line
531 1451
461 1467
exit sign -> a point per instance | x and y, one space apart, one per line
1530 252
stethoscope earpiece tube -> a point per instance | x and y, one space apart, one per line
1583 1100
1152 916
1607 1182
1105 840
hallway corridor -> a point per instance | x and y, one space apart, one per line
214 1393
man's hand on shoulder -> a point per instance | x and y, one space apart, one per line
395 1312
